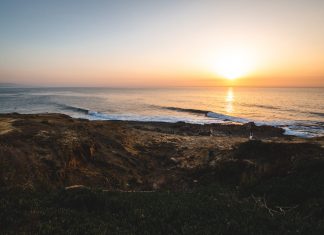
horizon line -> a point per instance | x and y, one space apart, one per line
15 85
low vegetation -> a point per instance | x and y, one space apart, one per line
209 210
142 178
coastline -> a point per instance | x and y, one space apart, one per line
55 150
62 175
219 105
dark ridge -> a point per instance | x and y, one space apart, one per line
7 84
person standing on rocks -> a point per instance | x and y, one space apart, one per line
251 124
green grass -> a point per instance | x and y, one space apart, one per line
210 210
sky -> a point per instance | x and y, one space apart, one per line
126 43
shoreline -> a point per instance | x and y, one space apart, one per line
64 151
230 125
64 175
286 131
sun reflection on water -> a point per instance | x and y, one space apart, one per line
229 100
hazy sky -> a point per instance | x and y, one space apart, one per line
161 43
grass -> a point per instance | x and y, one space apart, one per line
282 193
209 210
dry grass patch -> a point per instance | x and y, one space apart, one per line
6 125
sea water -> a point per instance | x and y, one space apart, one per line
299 111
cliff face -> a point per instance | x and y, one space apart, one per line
54 150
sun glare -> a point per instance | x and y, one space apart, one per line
232 65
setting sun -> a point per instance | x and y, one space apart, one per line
233 64
116 115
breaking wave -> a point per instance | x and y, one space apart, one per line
318 114
290 127
226 117
209 114
74 108
194 111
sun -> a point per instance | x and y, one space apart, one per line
233 64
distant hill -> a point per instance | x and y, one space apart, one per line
7 84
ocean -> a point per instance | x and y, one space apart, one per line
299 111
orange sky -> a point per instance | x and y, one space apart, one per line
169 43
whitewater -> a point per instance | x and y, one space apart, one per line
299 111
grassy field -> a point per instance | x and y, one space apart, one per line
196 184
209 210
